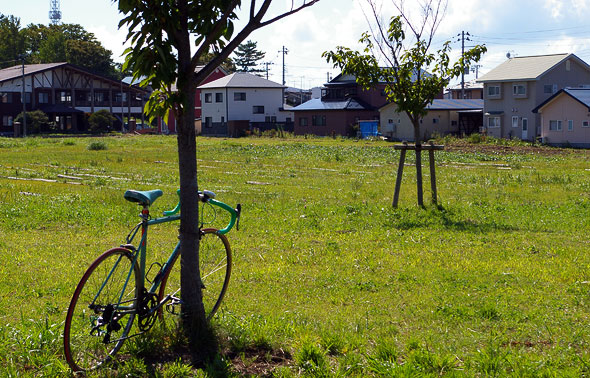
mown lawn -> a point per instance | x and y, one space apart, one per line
328 279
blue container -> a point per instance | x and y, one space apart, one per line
369 128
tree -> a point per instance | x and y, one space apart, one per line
247 57
12 42
101 121
68 43
228 63
163 52
409 86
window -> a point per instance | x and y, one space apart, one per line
208 97
65 97
390 121
493 122
570 125
585 124
318 120
303 121
435 120
6 98
218 97
267 119
548 88
7 120
554 125
494 90
240 96
453 123
208 122
514 121
258 109
222 120
519 90
43 98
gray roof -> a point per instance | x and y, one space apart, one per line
451 104
526 68
582 95
241 80
17 71
456 104
472 84
318 104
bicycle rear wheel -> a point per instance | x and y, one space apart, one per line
102 310
215 267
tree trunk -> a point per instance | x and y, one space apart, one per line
194 321
418 163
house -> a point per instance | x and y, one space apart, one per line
445 116
337 112
66 93
471 89
516 87
242 101
565 118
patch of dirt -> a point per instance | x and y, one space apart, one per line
259 362
506 150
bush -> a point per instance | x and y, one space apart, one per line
35 120
97 146
101 121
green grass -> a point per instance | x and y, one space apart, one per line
492 282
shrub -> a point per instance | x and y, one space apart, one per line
101 121
35 120
97 146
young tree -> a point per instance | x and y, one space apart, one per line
409 86
101 121
247 57
164 51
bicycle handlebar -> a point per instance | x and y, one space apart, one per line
209 197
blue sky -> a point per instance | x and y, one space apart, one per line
521 27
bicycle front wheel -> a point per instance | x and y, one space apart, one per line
215 268
102 310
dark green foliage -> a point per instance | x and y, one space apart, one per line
248 57
35 120
12 42
101 121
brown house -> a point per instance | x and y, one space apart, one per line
67 94
342 105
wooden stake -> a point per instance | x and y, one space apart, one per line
398 180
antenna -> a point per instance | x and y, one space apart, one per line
54 12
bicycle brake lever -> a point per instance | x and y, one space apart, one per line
238 211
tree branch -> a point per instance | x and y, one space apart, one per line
292 11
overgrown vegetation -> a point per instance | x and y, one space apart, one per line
328 279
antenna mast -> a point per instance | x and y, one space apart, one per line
54 12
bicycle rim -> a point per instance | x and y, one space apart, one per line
90 340
215 267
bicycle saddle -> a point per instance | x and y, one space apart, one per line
145 198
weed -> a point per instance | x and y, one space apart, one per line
97 146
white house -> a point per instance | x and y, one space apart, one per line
241 101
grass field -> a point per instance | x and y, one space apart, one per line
328 279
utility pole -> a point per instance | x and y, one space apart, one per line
24 100
475 68
462 56
284 51
266 64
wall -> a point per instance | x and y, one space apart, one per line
565 108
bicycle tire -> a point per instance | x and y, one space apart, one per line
85 336
215 262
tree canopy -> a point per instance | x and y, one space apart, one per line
55 43
248 57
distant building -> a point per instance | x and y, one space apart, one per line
445 116
565 118
66 93
516 87
243 101
471 89
296 96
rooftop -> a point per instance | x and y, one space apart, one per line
318 104
241 80
527 68
582 95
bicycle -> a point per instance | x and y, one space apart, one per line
114 290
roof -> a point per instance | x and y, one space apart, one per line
527 68
472 84
452 104
241 80
15 72
318 104
581 95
